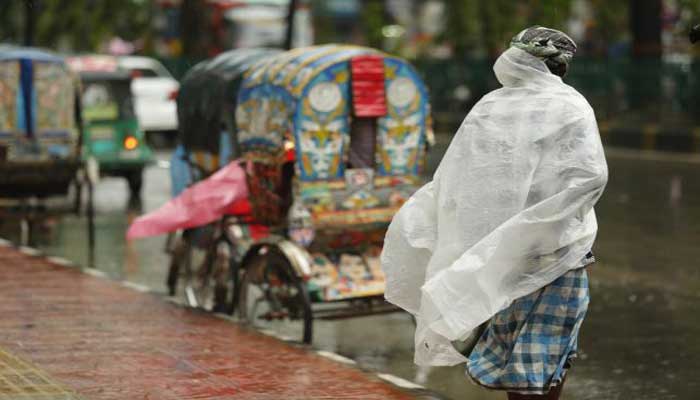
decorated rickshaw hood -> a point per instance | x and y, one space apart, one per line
304 99
207 96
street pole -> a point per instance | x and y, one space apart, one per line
290 24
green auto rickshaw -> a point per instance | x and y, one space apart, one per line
112 133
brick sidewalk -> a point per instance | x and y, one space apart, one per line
101 340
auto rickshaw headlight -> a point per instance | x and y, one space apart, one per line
130 143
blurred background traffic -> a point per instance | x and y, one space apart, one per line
635 65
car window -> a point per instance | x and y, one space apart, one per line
106 101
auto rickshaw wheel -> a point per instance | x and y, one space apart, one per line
272 296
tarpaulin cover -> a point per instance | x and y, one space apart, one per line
509 209
200 204
368 94
207 96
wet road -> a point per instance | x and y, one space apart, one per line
641 339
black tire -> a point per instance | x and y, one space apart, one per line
135 179
177 252
270 278
203 275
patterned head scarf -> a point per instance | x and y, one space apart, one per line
554 47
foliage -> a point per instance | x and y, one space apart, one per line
549 13
80 25
488 25
373 20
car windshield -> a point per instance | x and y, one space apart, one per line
107 101
150 69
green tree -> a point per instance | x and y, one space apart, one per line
80 25
462 27
374 19
12 21
549 13
488 25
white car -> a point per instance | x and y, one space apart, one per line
154 91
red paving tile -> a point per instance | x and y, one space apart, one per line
105 341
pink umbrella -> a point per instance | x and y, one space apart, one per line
198 205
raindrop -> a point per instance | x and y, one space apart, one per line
623 198
675 190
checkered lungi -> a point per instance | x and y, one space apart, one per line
527 347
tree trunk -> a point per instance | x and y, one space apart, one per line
29 22
644 80
290 24
645 21
192 26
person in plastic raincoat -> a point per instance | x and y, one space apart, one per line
492 250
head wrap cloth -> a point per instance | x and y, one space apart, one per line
554 47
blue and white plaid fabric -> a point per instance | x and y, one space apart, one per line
526 348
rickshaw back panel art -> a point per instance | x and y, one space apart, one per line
354 164
39 133
37 117
55 97
9 98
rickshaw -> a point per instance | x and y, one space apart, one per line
112 133
333 139
40 136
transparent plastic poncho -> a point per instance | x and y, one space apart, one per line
509 209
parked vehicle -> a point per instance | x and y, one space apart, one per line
112 134
41 136
154 91
333 139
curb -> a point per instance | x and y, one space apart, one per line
651 137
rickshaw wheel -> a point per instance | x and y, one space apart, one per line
272 296
202 273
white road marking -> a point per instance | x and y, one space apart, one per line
175 300
61 261
136 286
30 251
336 357
94 272
400 382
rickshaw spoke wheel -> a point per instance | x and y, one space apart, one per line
206 279
273 298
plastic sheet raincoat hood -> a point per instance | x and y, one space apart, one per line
509 210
